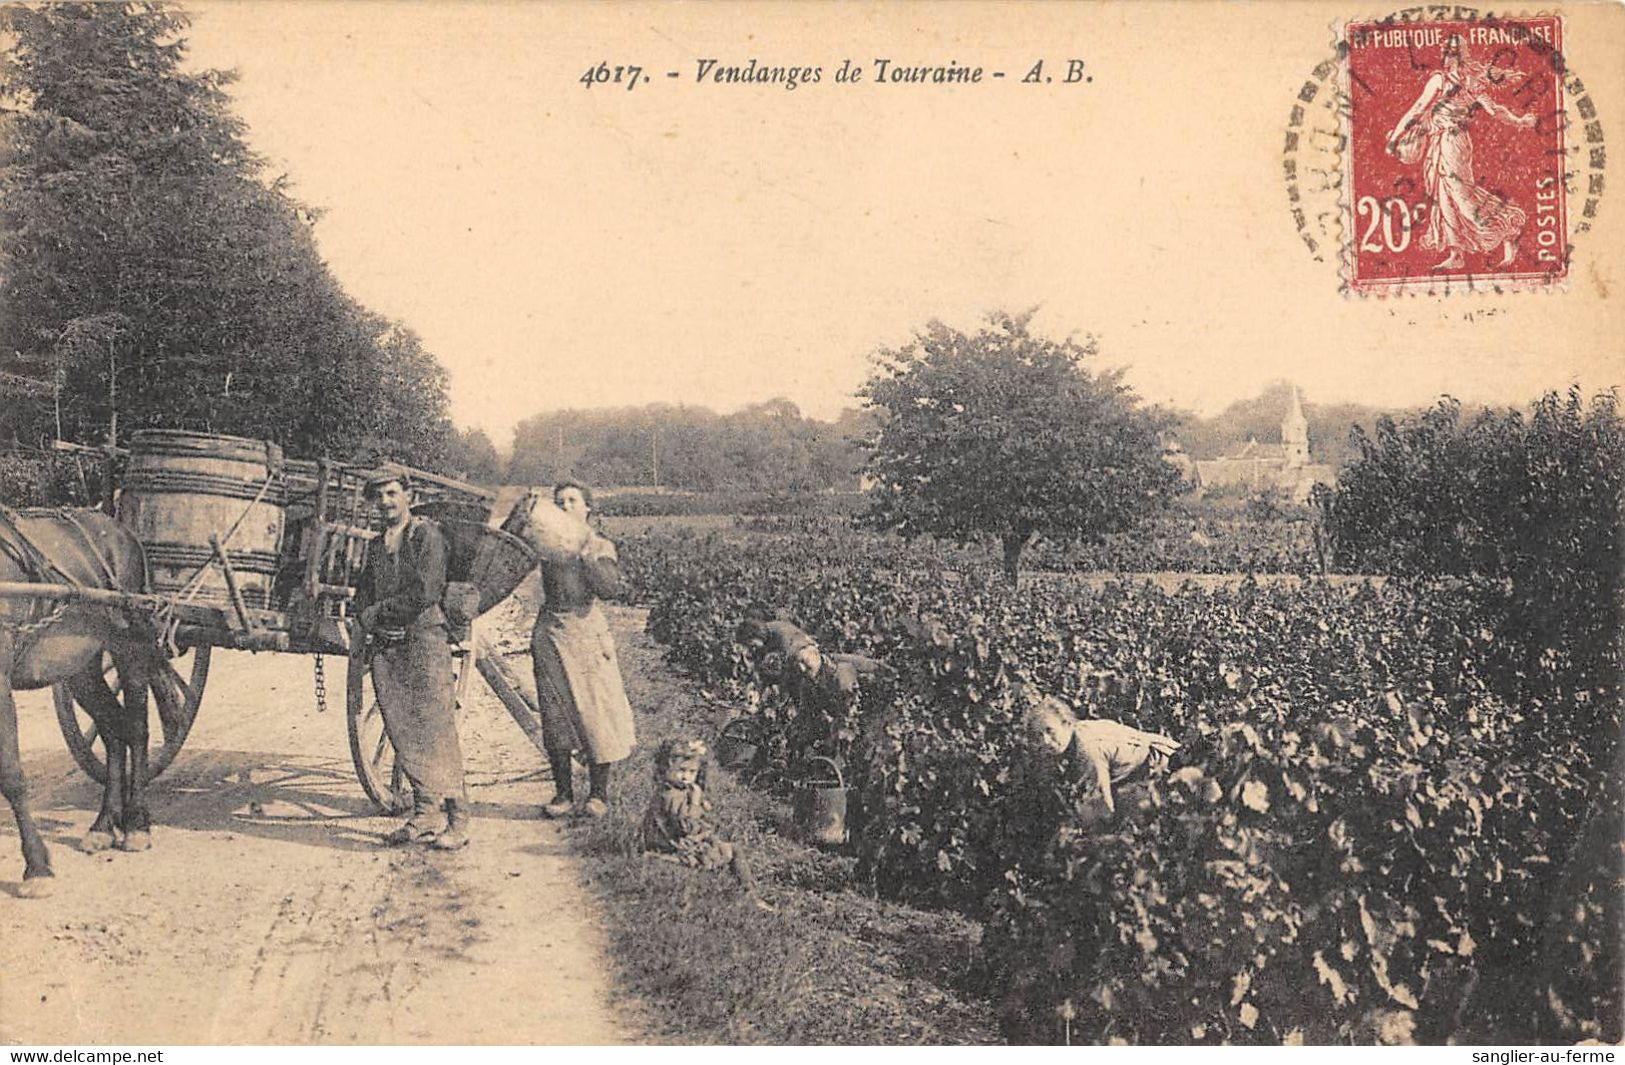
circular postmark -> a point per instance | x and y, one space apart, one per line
1439 149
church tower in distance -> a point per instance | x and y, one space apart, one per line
1295 433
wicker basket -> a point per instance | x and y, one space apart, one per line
447 510
491 560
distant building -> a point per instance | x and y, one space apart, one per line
1283 467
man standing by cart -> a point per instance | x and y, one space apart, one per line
402 620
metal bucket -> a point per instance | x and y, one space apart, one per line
180 488
739 744
820 805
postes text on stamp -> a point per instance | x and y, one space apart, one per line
1455 157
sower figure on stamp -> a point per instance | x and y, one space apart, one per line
401 616
1466 216
578 677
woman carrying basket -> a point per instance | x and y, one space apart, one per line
578 677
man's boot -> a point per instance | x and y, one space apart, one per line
419 827
597 804
564 794
455 835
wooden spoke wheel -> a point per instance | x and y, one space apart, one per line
176 692
374 756
376 765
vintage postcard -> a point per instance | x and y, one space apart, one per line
547 523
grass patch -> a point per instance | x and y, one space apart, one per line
831 966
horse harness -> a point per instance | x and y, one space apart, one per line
38 567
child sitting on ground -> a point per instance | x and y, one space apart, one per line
676 828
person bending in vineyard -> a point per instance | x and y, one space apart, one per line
784 653
410 643
830 682
1114 753
773 645
823 685
826 688
578 677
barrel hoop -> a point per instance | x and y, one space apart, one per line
253 597
166 554
187 482
204 445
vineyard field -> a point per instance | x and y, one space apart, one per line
1382 824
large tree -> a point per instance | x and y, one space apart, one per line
153 274
1004 433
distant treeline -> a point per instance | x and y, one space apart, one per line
771 447
766 447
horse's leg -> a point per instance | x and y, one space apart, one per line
90 688
135 670
37 876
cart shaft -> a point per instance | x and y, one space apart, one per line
76 594
509 691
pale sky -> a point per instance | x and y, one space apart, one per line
559 246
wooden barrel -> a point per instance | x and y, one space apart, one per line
182 487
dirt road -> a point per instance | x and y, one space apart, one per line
268 913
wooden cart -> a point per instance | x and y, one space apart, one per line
250 551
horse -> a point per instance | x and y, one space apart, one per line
45 642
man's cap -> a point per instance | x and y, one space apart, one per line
378 478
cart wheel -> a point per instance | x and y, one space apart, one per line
374 756
176 696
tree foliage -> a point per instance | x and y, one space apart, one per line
474 458
1004 433
1532 498
153 274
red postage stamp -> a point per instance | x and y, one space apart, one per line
1454 160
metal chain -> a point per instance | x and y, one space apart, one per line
321 686
163 625
24 633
